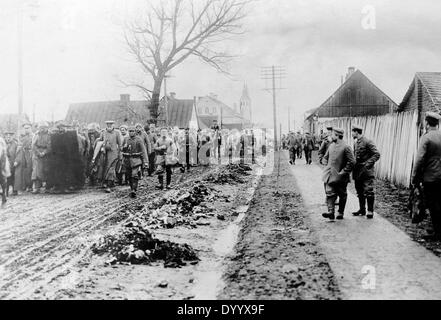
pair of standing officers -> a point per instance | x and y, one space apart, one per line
340 162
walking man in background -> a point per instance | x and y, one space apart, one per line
327 140
11 152
23 161
308 146
40 154
112 146
427 170
339 161
366 154
293 144
152 154
135 159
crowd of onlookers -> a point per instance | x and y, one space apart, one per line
64 157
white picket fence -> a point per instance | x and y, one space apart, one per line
396 137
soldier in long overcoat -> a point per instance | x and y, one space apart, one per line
308 146
11 152
427 170
326 141
339 161
40 153
366 154
23 160
134 159
112 146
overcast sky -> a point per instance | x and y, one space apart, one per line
74 53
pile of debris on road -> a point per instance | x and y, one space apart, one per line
133 243
231 174
180 207
136 245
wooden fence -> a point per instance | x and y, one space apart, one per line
396 137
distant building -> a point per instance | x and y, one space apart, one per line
131 112
209 108
357 96
180 112
424 94
245 105
123 111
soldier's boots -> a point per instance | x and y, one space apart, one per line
370 205
330 202
340 216
362 210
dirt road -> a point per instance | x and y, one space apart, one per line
43 236
278 256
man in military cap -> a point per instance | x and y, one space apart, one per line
11 152
151 132
23 161
308 146
40 153
299 145
112 146
293 144
134 159
339 161
366 154
427 170
327 140
144 137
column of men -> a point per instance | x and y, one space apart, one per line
298 144
62 158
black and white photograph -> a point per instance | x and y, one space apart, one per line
220 150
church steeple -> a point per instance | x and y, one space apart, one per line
245 104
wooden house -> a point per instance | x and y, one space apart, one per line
357 96
424 94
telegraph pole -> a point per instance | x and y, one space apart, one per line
274 73
20 57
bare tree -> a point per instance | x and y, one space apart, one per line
173 30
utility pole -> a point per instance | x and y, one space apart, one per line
289 118
274 73
20 57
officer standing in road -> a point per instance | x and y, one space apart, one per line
339 161
427 170
366 154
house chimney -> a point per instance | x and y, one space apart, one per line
351 70
125 97
173 95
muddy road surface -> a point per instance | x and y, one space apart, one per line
42 237
277 255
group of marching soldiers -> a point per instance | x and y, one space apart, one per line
297 143
63 157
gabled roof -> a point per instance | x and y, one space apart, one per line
349 78
179 112
88 112
431 81
227 112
